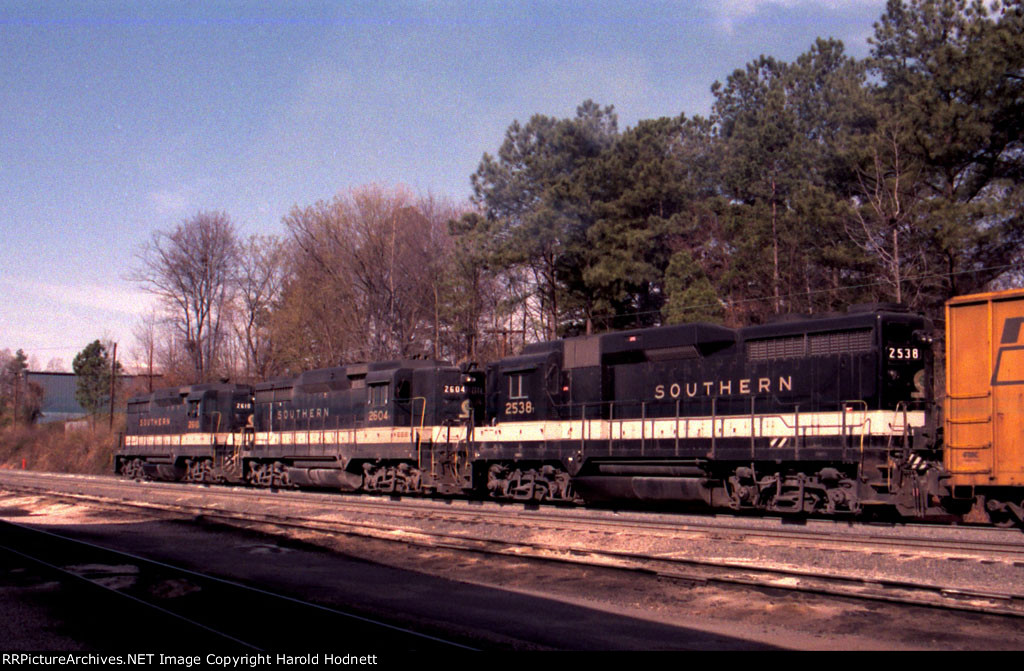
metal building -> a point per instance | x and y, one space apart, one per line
59 394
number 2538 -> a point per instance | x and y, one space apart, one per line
518 408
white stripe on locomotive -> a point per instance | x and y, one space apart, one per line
779 428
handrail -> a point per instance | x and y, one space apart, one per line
418 434
968 397
714 433
643 427
964 446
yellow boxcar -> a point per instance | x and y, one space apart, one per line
984 432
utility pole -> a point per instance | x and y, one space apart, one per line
505 340
17 384
113 379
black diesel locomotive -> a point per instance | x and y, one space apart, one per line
826 414
388 426
378 426
179 433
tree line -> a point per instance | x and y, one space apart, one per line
20 400
98 379
372 274
812 185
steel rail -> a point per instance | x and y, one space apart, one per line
66 575
813 580
63 544
1007 545
682 568
903 592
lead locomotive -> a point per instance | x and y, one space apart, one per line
829 414
826 414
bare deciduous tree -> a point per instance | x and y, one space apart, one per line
146 351
399 282
261 275
887 209
191 270
370 246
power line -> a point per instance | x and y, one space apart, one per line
849 287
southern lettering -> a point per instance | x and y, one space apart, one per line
745 386
155 421
304 413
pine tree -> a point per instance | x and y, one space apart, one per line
92 368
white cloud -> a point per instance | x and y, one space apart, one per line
624 79
111 298
728 13
183 200
49 319
172 202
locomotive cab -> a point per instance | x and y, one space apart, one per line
907 360
456 395
387 398
418 393
528 388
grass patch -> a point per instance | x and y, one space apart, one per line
49 447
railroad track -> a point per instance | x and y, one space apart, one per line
984 544
200 611
655 544
981 543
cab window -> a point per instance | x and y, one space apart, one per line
379 394
516 386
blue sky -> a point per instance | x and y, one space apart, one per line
118 119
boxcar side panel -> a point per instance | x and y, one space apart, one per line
1008 388
985 389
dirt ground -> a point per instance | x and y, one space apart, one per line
503 603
